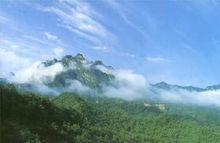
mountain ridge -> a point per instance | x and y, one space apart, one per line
166 86
78 72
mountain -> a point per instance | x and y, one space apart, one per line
69 118
77 74
78 118
78 68
165 86
213 87
71 73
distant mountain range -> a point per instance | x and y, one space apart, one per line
166 86
78 72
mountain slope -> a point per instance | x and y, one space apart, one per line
80 69
71 74
26 117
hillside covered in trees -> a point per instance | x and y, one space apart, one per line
69 117
109 71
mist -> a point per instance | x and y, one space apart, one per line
206 98
127 85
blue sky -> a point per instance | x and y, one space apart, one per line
173 41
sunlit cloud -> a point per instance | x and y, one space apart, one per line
50 36
58 52
10 62
101 48
157 60
79 17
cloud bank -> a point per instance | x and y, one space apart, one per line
210 97
126 85
38 73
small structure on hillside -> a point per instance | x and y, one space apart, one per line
160 106
147 104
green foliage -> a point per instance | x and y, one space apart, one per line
69 117
29 117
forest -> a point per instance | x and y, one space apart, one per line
71 118
109 71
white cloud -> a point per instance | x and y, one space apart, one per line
104 69
128 55
100 48
50 36
58 52
127 85
30 46
38 76
79 17
19 53
82 34
10 62
157 59
76 86
37 73
184 96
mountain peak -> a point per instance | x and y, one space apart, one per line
50 62
98 62
79 56
162 85
68 57
166 86
78 71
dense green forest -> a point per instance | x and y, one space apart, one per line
69 117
